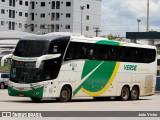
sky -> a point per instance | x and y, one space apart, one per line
120 16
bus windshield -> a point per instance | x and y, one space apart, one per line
25 72
31 48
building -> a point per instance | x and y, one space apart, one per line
44 16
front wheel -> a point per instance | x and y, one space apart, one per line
36 99
65 95
134 94
124 94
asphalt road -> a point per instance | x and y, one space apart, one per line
149 103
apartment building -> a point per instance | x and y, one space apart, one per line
45 16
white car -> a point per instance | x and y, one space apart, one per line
4 78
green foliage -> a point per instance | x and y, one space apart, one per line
114 37
5 68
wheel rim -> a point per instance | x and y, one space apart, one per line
64 95
125 94
134 94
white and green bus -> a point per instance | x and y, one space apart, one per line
66 66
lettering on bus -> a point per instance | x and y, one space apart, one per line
73 66
130 67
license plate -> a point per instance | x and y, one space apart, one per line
21 95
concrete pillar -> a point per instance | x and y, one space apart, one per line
150 42
133 41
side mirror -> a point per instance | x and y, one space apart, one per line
5 57
46 57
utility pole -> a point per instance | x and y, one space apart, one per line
147 28
97 31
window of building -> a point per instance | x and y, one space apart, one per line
32 16
52 16
2 11
26 14
20 2
11 25
68 4
32 4
11 13
57 28
14 3
88 6
42 26
20 13
57 16
57 4
87 28
53 5
52 27
87 17
20 25
10 2
68 15
42 4
42 15
67 27
26 3
2 23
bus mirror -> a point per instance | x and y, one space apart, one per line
5 57
46 57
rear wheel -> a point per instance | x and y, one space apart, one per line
134 93
36 99
2 85
65 95
124 93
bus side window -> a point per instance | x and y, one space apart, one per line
92 52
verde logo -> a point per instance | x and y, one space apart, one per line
73 65
130 67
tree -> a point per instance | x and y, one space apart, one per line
114 37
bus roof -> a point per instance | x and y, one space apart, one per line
86 39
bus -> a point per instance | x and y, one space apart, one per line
62 66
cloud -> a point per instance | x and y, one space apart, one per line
120 16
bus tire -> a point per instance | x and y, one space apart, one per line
36 99
134 95
2 85
124 93
65 94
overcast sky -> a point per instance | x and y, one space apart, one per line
120 16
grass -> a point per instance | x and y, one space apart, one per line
5 68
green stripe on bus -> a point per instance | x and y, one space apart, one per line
108 42
29 93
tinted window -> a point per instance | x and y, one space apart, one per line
78 50
31 48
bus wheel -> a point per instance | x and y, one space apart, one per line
65 95
124 94
36 99
2 86
134 93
